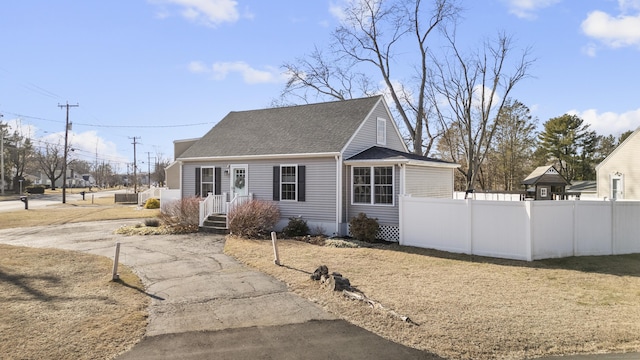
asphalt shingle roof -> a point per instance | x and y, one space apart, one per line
539 175
380 153
303 129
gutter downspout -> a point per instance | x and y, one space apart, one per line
403 179
338 193
181 188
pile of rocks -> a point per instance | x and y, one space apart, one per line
334 281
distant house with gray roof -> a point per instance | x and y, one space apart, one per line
322 162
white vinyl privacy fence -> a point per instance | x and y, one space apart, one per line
523 230
168 196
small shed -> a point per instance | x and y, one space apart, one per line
546 181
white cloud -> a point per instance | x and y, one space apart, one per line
84 146
337 9
614 31
197 67
206 12
526 9
250 75
609 122
16 125
482 93
347 11
629 5
590 49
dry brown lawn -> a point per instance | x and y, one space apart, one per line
470 307
102 208
58 304
61 304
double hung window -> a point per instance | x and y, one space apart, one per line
288 181
373 185
207 181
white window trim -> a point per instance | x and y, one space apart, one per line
202 182
381 122
543 192
295 182
372 184
620 177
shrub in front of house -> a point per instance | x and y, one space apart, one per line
35 189
183 214
253 219
152 203
296 227
364 228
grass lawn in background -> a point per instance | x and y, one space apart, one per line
102 208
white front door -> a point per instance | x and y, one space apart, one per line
239 180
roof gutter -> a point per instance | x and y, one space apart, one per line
265 156
387 162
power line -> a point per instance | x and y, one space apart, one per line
112 126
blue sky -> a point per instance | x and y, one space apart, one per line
162 70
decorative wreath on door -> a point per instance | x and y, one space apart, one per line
239 183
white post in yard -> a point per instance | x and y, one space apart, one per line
275 248
115 275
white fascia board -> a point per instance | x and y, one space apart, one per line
259 157
433 164
172 164
185 140
402 161
615 151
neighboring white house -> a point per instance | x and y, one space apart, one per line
323 162
618 175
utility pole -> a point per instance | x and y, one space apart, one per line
135 165
2 126
66 152
149 168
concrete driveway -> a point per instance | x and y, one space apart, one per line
205 305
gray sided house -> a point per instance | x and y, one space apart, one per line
324 163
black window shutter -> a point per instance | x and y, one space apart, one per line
218 181
301 182
198 183
276 183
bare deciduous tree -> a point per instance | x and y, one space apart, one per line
469 94
50 160
374 34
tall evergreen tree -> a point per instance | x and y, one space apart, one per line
567 143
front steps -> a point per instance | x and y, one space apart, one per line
215 224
